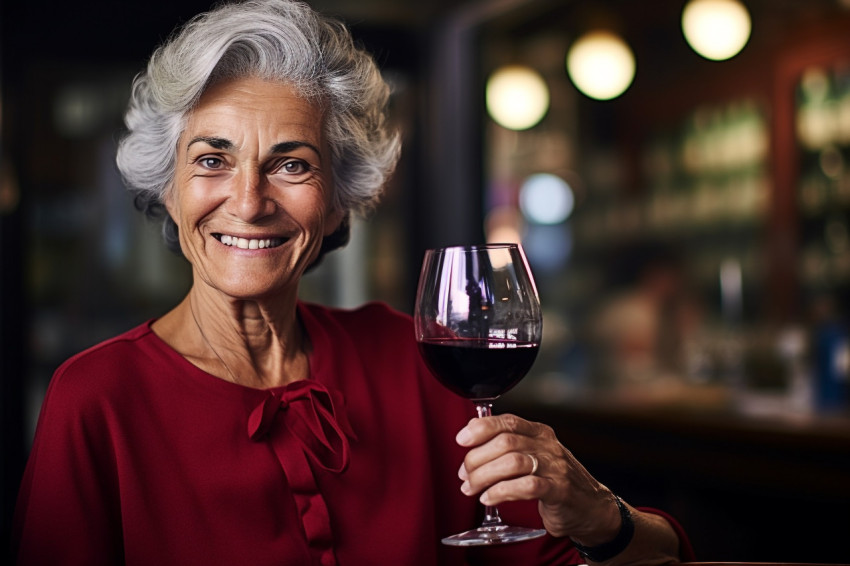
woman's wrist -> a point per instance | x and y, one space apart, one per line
612 547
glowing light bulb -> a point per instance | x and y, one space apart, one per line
716 29
517 97
601 65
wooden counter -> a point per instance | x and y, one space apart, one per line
745 488
762 452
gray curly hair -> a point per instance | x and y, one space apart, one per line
281 40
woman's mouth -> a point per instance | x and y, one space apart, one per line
248 243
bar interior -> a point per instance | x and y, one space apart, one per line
684 206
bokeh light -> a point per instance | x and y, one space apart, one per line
716 29
517 97
503 225
546 199
601 65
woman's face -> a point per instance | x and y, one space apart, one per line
252 187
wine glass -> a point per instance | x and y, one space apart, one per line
478 327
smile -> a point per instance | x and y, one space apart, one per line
248 243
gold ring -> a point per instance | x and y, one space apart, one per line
534 464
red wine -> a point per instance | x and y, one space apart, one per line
478 369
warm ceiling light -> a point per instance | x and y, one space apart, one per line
601 65
716 29
517 97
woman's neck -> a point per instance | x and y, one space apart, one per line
258 344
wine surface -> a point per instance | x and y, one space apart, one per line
478 369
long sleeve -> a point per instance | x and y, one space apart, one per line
69 489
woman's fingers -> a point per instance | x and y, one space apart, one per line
521 488
512 459
506 466
491 438
495 448
500 467
481 430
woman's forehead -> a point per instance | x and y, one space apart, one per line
244 107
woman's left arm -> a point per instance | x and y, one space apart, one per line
498 467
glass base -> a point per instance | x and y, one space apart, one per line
498 534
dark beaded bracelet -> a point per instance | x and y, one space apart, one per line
609 550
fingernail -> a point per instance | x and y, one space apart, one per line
464 487
484 499
463 436
461 473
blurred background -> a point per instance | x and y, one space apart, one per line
685 207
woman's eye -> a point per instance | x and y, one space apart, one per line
210 162
295 167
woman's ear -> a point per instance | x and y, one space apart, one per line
170 202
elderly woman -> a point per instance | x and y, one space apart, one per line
245 426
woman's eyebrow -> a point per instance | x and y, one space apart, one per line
287 146
217 143
224 143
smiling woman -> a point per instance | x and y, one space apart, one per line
252 168
275 42
245 426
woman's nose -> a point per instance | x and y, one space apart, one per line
252 200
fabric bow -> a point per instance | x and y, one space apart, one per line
311 415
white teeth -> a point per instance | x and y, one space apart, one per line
246 244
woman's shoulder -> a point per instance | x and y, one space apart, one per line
109 349
95 366
372 317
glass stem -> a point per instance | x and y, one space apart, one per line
491 514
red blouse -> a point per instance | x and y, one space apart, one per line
142 458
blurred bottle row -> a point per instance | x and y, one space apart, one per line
674 276
823 133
